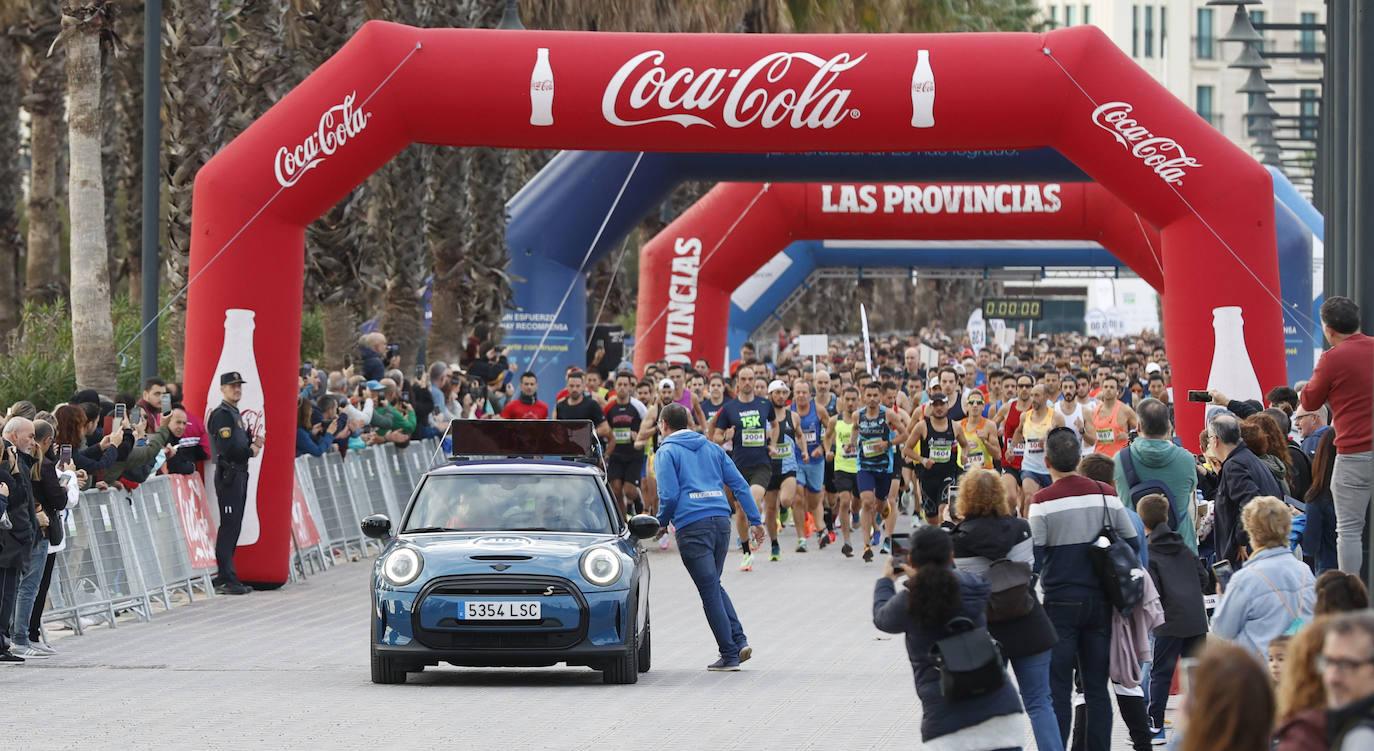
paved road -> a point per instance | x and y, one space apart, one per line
288 669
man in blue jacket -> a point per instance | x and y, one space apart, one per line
692 473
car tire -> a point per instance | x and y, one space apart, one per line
644 649
385 669
625 668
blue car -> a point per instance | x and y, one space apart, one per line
501 561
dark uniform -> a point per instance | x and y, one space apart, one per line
231 447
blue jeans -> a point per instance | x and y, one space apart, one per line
1167 650
28 590
702 545
1033 680
1084 625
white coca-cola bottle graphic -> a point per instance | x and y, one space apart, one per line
541 90
923 92
237 356
1232 372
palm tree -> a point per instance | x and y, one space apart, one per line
193 130
85 31
123 145
10 87
42 80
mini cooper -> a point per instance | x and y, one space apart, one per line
514 553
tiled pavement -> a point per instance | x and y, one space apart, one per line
288 669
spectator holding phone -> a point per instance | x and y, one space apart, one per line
1273 592
72 430
52 495
311 436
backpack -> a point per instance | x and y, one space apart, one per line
969 660
1011 597
1139 489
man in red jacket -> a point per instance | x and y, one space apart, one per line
527 406
1344 378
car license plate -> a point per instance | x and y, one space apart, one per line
499 610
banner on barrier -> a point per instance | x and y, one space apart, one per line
194 513
302 525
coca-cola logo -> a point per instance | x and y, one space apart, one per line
1164 155
544 85
336 127
745 96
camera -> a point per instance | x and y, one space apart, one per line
1199 396
392 350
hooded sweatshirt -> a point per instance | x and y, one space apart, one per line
1179 577
1158 459
691 472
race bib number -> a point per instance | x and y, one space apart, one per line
622 435
1106 435
753 437
975 459
871 447
782 451
940 451
1018 449
849 452
1035 445
810 437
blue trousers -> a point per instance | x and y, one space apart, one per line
1033 681
702 545
1084 625
28 590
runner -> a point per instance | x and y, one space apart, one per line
1113 421
1013 452
753 439
874 480
1036 423
901 423
578 405
980 433
938 437
682 395
782 486
844 454
1076 417
810 466
625 461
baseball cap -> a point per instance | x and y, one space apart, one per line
777 385
232 376
1152 368
938 396
374 385
666 383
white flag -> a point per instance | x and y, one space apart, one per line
868 356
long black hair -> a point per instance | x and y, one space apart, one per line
1323 465
934 591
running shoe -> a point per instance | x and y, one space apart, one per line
868 554
831 535
775 552
810 525
854 520
785 516
664 541
848 550
1157 737
746 563
887 547
877 535
801 545
822 539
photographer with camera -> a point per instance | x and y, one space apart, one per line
371 349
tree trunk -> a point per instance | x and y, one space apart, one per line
401 199
92 330
9 190
444 230
42 268
127 145
340 319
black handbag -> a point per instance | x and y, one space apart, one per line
1117 567
969 660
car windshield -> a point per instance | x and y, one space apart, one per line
509 503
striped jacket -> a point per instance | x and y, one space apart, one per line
1065 519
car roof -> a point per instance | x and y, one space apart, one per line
515 466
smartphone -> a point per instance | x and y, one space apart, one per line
136 416
307 368
1199 396
166 404
120 412
64 455
1222 570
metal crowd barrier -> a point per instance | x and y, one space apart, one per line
126 551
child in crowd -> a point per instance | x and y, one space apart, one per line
1278 651
1179 577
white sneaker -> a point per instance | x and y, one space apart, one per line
41 647
29 653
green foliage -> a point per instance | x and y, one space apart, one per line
312 335
128 321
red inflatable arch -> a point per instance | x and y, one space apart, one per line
689 270
393 85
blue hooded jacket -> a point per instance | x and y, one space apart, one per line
691 473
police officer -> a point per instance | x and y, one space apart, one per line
231 448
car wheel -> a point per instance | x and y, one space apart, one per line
385 669
644 649
625 668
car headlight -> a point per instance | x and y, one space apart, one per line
600 566
402 566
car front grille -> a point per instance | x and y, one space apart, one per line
495 635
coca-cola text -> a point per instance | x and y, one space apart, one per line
747 97
337 125
1164 155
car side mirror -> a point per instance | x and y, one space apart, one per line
377 526
643 526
